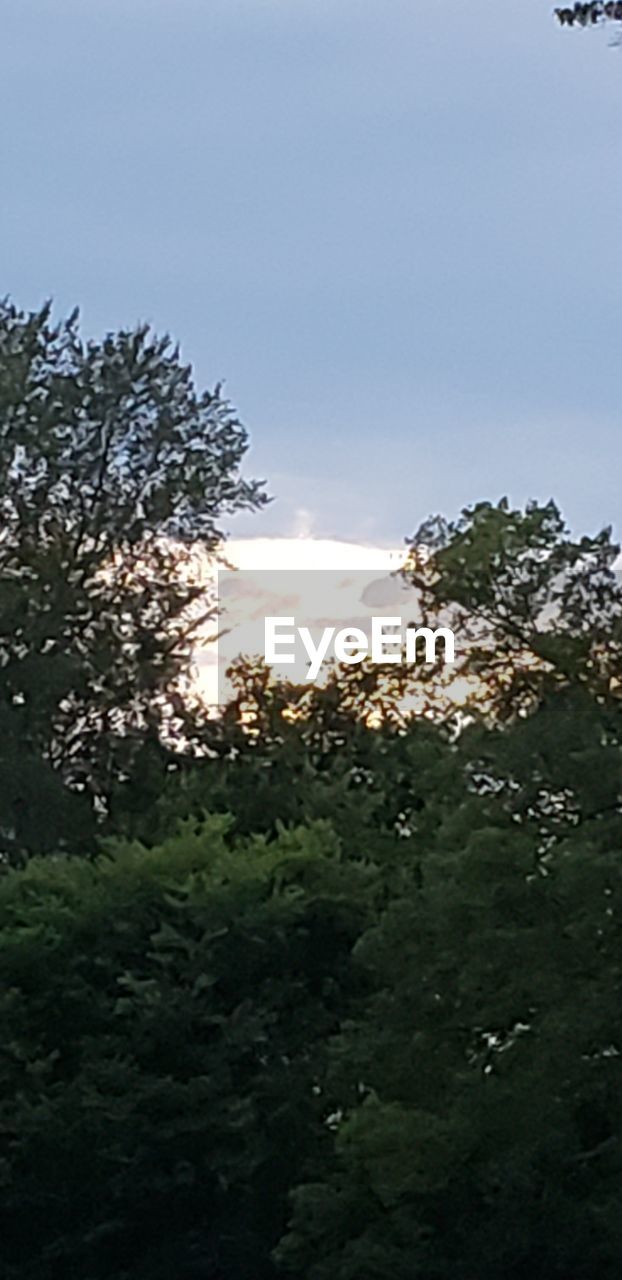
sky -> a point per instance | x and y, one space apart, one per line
391 227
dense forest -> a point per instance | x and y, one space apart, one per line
314 989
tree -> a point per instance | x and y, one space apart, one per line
409 1027
164 1018
478 1125
480 1128
590 14
114 476
283 753
537 611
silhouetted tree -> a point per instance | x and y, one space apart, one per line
590 14
113 470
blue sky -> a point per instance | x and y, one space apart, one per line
392 227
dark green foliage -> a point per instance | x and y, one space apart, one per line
164 1015
382 1044
111 466
488 1137
287 754
479 1083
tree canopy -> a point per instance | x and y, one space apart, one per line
589 14
362 1020
114 469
